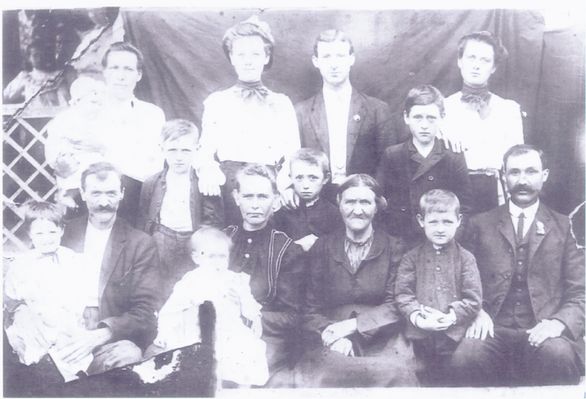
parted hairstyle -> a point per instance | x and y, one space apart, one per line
332 35
205 234
256 169
312 157
125 47
438 200
500 52
424 95
101 170
33 210
175 128
520 149
252 26
364 180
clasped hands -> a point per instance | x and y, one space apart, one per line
483 326
431 319
334 336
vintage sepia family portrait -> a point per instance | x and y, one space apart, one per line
204 200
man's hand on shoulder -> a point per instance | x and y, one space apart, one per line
289 199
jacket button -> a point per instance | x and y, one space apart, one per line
403 209
430 178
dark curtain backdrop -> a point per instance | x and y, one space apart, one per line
395 50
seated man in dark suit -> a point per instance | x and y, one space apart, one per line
128 285
531 328
353 129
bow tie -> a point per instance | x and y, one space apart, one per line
477 99
252 90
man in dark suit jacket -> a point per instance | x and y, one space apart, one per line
121 316
352 128
531 328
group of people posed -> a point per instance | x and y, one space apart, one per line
336 252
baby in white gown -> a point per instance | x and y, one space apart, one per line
240 353
45 292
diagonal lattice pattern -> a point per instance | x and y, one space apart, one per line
26 174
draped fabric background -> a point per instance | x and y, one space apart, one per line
395 50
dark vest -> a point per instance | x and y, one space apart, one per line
516 311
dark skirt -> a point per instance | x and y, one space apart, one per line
392 364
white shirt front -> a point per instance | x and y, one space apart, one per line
337 105
485 140
175 210
248 130
94 249
528 212
131 134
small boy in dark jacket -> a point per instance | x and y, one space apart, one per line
438 287
420 164
315 216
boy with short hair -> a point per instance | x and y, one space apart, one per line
438 288
420 164
171 207
315 216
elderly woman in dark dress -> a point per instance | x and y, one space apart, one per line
352 328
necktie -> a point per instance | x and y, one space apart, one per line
520 227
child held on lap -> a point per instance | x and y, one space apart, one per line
438 287
315 216
45 290
239 350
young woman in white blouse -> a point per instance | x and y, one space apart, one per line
246 123
484 124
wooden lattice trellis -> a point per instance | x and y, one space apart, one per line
24 169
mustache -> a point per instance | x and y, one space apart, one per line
521 187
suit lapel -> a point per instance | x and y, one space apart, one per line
505 226
436 155
356 116
112 253
319 122
539 229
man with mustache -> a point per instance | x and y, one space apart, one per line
531 328
121 311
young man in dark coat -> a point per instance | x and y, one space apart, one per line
420 164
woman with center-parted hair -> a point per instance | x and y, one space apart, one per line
246 123
351 326
482 123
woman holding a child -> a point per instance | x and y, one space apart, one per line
351 326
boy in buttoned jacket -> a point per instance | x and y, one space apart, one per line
438 288
420 164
